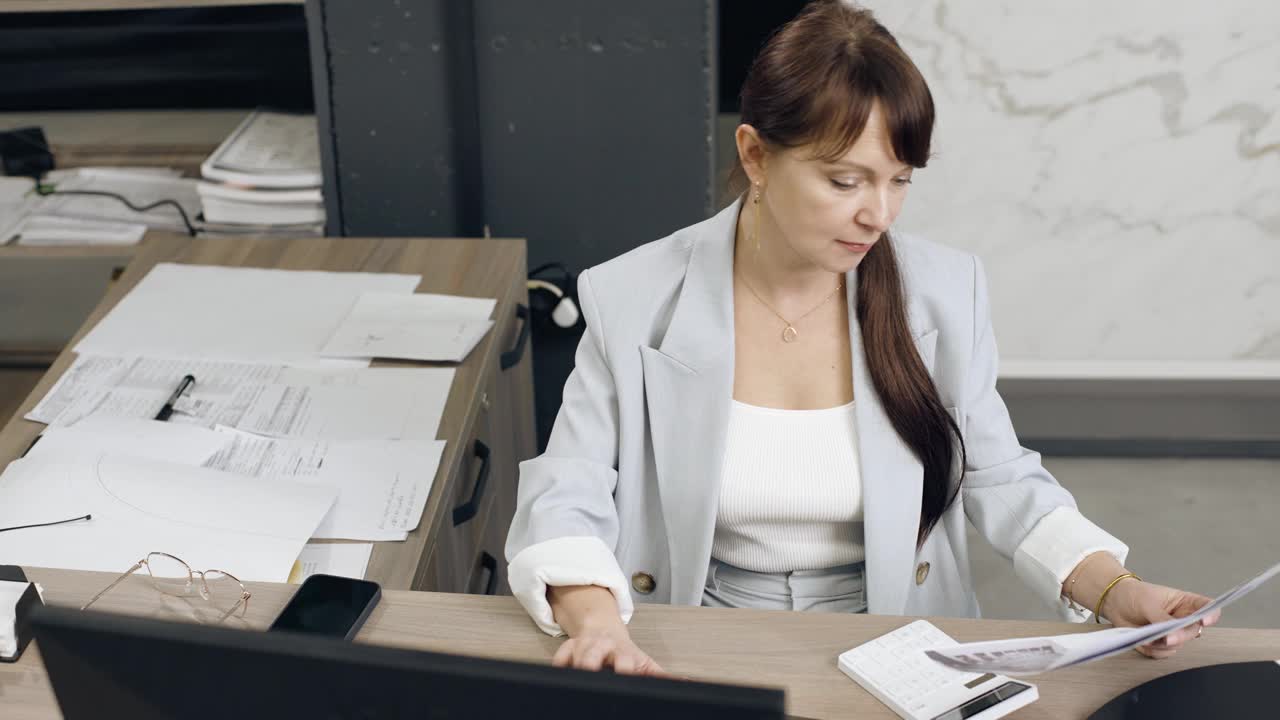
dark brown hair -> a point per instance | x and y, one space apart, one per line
814 84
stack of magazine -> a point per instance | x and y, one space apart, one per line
265 177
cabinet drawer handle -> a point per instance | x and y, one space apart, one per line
490 563
467 510
511 358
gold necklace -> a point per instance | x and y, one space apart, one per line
789 333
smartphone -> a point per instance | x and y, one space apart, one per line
330 606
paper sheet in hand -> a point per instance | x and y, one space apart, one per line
211 519
236 314
443 328
382 484
1028 656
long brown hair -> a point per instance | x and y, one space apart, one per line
814 84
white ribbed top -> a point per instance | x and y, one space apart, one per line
790 491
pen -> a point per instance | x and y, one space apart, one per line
167 409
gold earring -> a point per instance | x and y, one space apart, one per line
755 230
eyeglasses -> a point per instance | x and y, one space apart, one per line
171 576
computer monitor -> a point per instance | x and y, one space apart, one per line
103 665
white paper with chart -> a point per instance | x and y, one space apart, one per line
332 404
1028 656
210 519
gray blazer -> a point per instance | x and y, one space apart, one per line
635 456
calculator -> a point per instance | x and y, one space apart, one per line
896 671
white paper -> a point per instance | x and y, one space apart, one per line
345 404
330 413
268 150
1028 656
254 196
235 314
10 593
382 485
52 231
165 441
442 328
81 384
341 559
370 403
137 387
210 519
140 188
17 201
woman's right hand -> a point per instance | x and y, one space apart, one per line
597 636
609 647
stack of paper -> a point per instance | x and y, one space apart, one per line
211 519
266 173
53 231
269 445
17 198
270 400
163 441
140 186
231 205
29 218
382 484
133 387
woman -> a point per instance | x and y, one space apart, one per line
787 406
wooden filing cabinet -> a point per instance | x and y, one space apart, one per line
488 416
466 554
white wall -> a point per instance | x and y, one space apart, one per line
1116 166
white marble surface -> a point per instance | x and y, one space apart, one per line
1116 166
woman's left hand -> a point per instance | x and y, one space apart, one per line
1134 603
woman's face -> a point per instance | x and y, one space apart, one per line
829 214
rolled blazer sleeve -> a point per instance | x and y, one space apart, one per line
1009 497
565 528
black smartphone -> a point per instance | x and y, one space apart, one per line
329 605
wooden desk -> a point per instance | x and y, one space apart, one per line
45 295
47 292
796 651
490 406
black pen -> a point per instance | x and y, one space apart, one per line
167 409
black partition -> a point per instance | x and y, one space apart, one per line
586 126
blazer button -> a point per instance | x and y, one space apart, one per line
643 583
922 572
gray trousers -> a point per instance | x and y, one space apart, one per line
839 589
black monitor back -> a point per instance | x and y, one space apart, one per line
104 665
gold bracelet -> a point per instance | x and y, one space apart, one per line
1071 587
1097 612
